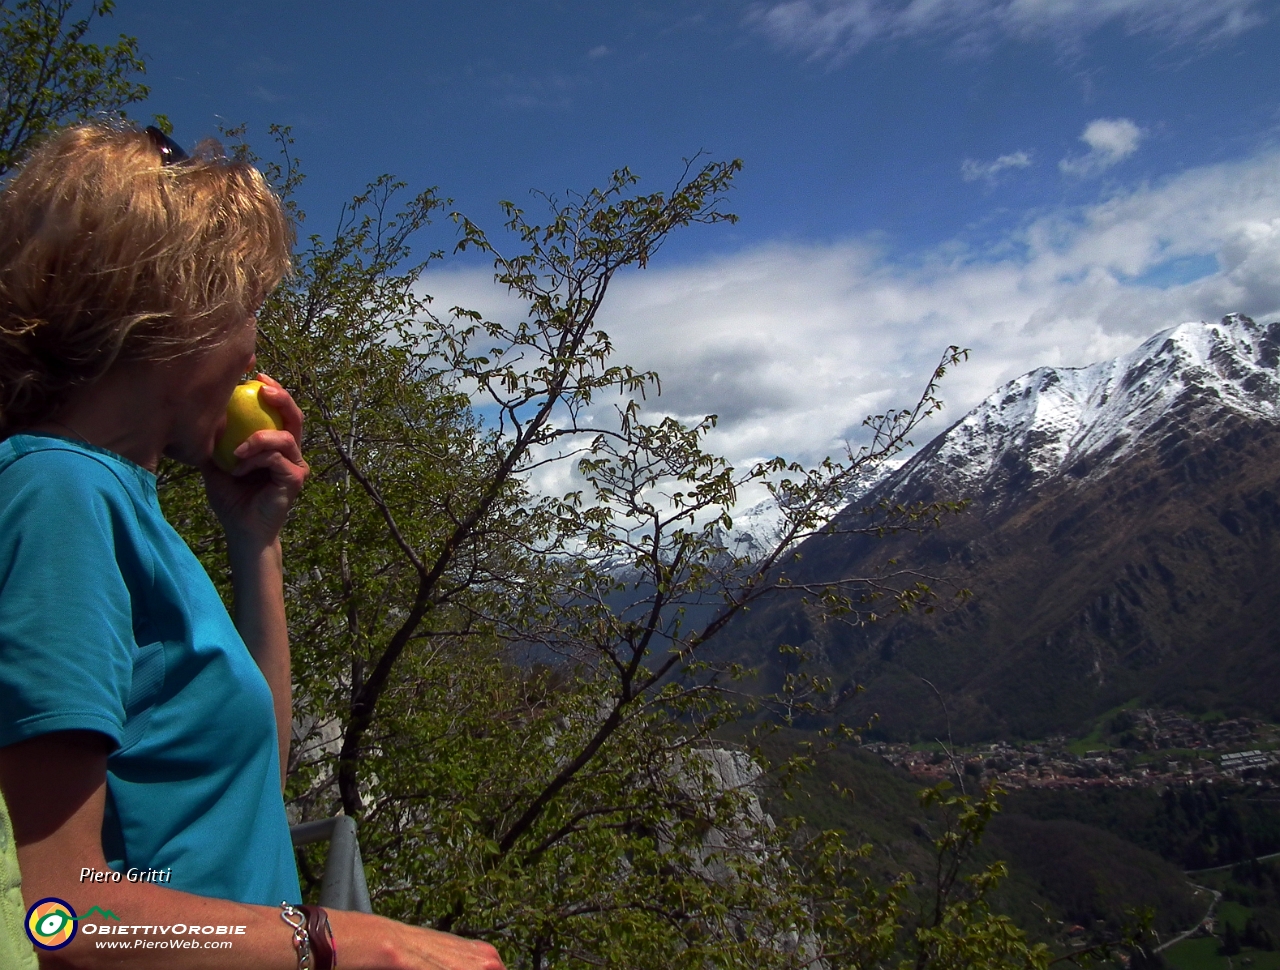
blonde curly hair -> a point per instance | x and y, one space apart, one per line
108 256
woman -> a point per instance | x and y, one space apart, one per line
141 730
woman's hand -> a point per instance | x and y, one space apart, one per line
374 943
253 502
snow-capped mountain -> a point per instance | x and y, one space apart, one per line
758 528
1087 420
1121 544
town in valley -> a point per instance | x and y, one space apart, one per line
1133 748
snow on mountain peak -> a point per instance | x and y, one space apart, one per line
1085 418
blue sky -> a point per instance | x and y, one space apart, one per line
1045 181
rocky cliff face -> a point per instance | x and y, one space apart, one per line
1122 542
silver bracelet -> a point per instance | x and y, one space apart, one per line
301 938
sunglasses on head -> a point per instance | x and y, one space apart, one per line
171 153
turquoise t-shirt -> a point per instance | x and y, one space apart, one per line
109 623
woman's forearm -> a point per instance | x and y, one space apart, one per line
257 580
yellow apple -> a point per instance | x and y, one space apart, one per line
246 413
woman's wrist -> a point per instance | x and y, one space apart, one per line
367 941
312 936
251 553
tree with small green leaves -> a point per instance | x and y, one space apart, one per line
51 75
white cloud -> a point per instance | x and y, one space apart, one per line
792 345
972 170
832 29
598 52
1110 140
523 91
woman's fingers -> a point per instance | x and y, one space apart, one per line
283 401
276 451
275 442
450 952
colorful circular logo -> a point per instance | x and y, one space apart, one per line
51 923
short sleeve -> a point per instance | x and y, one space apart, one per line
68 558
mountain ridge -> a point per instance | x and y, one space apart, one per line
1080 420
